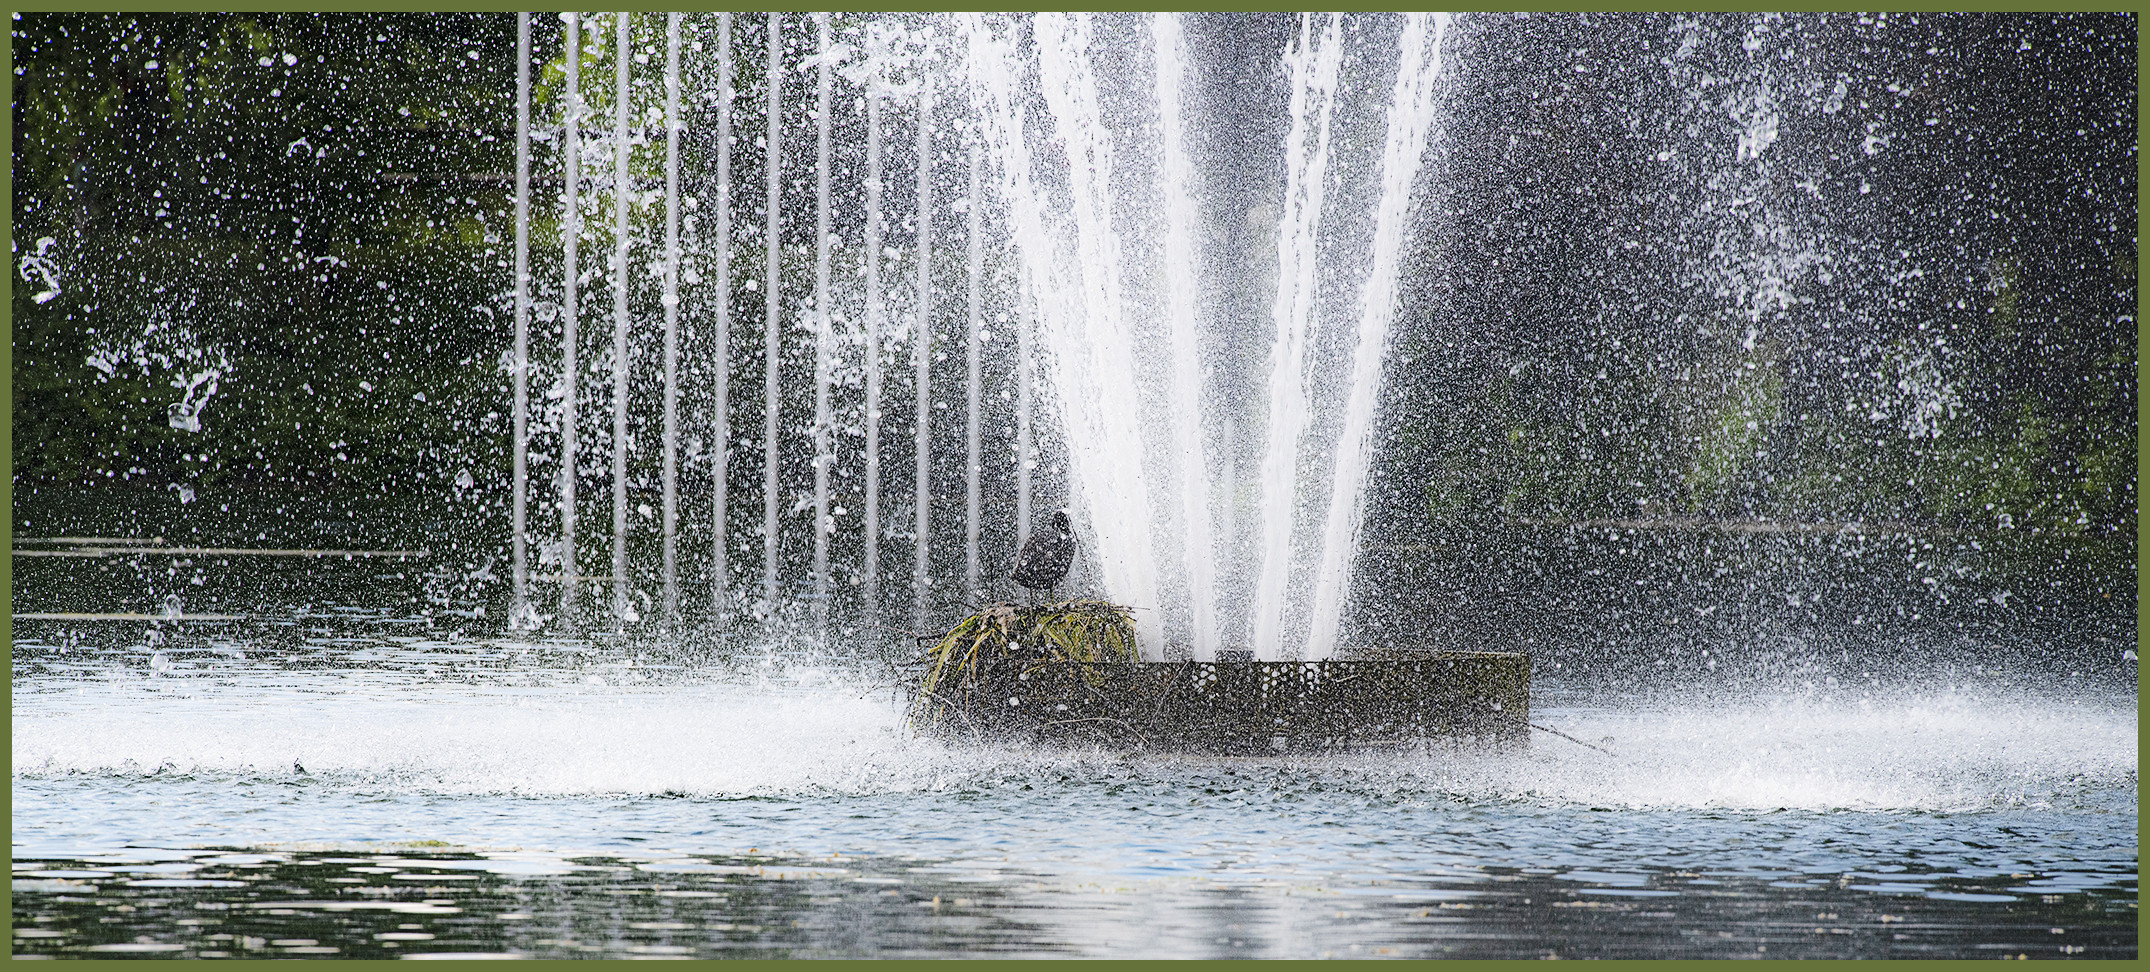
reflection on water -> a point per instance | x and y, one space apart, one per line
410 903
255 789
370 901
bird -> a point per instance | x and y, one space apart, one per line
1046 556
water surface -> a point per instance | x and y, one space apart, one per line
352 788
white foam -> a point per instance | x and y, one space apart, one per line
702 740
1932 752
1937 752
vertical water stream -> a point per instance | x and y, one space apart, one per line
670 300
622 610
922 358
870 557
519 609
571 236
1410 119
1176 192
824 338
1078 288
772 317
1313 71
973 374
720 417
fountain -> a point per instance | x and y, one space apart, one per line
570 376
1762 386
771 284
1061 143
1088 242
1116 290
670 300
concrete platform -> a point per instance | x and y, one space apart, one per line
1241 706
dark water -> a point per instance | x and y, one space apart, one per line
377 902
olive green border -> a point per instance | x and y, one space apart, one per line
7 370
7 445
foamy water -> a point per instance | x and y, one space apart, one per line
1906 751
1912 751
509 775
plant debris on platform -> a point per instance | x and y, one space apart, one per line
1078 630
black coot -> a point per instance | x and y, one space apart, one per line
1046 556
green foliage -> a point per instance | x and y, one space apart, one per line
2013 411
293 201
1947 343
1735 402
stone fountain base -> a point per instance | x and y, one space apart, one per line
1242 706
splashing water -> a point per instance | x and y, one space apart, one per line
1313 73
42 265
166 346
1079 307
1934 751
1411 116
1119 287
1175 187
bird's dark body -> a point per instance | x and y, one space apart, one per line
1046 556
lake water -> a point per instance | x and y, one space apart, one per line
373 785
